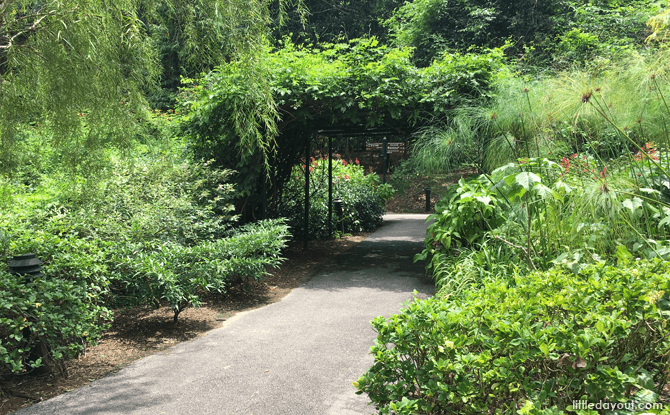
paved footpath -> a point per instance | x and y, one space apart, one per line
298 356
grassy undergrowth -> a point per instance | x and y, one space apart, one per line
551 265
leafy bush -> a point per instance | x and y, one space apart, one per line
46 321
541 212
465 269
178 274
576 44
464 217
363 197
539 341
153 228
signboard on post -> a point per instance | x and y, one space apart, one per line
391 148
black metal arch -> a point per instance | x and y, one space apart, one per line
315 119
343 131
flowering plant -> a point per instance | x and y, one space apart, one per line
364 198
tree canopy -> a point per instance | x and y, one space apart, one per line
327 21
82 67
63 60
547 30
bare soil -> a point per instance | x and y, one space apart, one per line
411 195
141 331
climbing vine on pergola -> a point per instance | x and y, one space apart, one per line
350 87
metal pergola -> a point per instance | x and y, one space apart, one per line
345 131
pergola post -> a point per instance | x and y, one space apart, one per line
330 186
307 167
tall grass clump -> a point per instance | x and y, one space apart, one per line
556 115
575 164
447 144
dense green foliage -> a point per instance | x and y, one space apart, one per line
363 81
193 37
435 26
357 84
47 321
534 258
60 59
545 213
595 111
531 312
363 197
556 32
575 180
152 229
335 20
582 175
529 344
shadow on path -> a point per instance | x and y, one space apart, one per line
298 356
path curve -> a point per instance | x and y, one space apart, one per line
298 356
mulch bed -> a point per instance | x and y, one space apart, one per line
138 332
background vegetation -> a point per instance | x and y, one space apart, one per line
561 106
572 151
363 198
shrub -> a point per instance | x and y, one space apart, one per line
539 341
462 218
178 274
157 229
465 269
46 321
364 198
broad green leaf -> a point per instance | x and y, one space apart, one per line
527 180
632 204
516 192
484 199
545 193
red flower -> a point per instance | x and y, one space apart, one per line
566 164
357 162
649 149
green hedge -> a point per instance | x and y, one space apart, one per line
537 342
54 312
